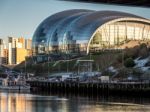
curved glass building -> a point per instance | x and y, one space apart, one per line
83 31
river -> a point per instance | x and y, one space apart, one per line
29 102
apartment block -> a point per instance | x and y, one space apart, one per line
18 49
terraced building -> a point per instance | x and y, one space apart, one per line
82 31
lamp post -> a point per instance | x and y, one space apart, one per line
48 62
25 67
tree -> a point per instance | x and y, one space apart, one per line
129 62
143 51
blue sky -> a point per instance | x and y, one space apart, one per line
21 17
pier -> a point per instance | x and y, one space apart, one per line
93 88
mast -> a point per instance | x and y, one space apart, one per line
25 67
48 62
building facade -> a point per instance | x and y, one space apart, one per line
83 31
3 59
15 50
18 50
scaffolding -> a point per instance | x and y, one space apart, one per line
84 66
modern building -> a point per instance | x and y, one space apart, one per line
18 49
21 53
15 50
3 59
21 42
10 46
6 56
28 44
83 31
1 48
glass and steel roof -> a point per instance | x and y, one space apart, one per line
79 24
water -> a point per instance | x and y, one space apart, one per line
27 102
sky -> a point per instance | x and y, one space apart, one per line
20 18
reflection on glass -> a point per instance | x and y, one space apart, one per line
116 34
83 31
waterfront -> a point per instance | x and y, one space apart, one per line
27 102
103 83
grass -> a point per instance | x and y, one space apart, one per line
101 61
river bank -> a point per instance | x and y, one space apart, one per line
125 89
